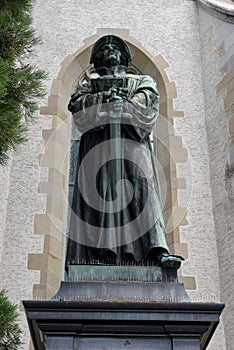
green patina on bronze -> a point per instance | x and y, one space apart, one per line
115 106
121 273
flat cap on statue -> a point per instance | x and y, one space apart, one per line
110 39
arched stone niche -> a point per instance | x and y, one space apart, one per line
169 152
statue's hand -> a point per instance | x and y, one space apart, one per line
116 102
111 95
107 95
115 98
123 93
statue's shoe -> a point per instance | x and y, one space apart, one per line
173 261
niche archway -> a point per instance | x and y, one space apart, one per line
52 223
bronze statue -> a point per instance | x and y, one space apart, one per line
116 113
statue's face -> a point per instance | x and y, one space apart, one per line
111 55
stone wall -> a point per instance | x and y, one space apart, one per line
217 31
167 28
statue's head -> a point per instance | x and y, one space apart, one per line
110 50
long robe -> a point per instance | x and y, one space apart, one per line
112 221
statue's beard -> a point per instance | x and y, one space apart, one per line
112 59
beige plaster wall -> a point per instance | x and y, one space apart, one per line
217 30
167 29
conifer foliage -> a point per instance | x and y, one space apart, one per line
10 333
21 84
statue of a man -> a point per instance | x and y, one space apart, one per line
117 213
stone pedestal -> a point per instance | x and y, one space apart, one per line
125 307
133 325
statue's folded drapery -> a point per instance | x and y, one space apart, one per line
126 223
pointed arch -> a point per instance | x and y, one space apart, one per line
52 223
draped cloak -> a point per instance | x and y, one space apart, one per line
136 230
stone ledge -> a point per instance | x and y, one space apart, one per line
219 6
116 324
122 291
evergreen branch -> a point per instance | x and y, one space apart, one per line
21 85
10 332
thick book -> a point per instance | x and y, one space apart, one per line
107 83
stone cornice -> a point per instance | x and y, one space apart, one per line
224 7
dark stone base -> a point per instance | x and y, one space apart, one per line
128 283
98 325
119 291
108 315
